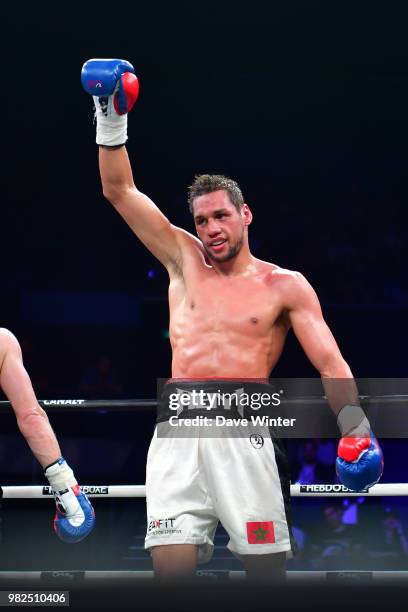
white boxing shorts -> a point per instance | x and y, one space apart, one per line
234 474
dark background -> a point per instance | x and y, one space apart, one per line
305 104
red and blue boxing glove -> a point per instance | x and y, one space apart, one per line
360 461
115 88
75 517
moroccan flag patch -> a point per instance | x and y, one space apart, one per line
260 533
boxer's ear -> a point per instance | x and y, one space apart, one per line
246 213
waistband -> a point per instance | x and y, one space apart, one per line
187 398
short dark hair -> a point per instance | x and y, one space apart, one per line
207 183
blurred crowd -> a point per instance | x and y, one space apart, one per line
344 533
350 533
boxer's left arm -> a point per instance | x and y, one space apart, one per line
306 319
360 460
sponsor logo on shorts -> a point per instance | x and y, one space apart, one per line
162 527
262 532
328 488
88 489
256 440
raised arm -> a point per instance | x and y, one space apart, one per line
115 88
137 209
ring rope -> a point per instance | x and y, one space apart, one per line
117 491
130 404
75 576
296 490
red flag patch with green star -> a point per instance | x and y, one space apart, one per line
260 533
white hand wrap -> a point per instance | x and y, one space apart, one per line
60 476
353 422
111 128
68 505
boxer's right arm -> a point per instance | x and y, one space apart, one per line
115 88
148 223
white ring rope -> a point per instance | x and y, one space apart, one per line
296 490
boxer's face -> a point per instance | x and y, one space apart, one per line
220 226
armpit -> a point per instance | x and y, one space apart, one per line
283 320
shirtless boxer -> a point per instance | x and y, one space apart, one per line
229 316
74 517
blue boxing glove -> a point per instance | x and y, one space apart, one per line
360 461
115 88
75 516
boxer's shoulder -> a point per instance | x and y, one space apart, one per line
190 250
8 339
276 276
187 241
290 286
